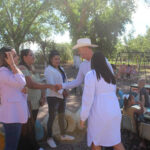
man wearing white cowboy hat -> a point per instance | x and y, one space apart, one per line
84 47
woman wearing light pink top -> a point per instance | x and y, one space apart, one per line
13 100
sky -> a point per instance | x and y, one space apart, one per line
140 22
140 19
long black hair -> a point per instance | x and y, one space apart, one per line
23 53
3 55
98 63
51 55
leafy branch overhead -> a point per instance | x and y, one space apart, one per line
101 20
21 20
36 20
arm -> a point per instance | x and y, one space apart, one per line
78 81
142 96
10 61
14 80
51 79
143 100
32 84
141 110
43 98
88 97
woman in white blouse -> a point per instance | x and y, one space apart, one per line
13 99
100 106
55 74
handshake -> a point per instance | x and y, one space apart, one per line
58 87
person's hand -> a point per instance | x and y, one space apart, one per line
82 124
9 59
24 90
65 93
54 88
42 101
58 86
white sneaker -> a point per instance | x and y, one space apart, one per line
41 148
51 143
67 137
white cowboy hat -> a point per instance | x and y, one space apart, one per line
84 42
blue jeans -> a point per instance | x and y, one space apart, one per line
12 135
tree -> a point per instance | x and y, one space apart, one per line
136 44
64 49
100 20
21 20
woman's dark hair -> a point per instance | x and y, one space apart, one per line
3 55
126 101
24 52
113 66
52 54
98 63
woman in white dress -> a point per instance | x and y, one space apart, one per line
100 106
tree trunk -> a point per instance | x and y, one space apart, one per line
44 55
16 46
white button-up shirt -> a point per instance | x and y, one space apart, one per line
53 76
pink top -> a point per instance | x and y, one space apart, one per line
13 103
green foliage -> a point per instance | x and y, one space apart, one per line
135 50
138 44
64 49
24 20
100 20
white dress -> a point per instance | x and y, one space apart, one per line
101 107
